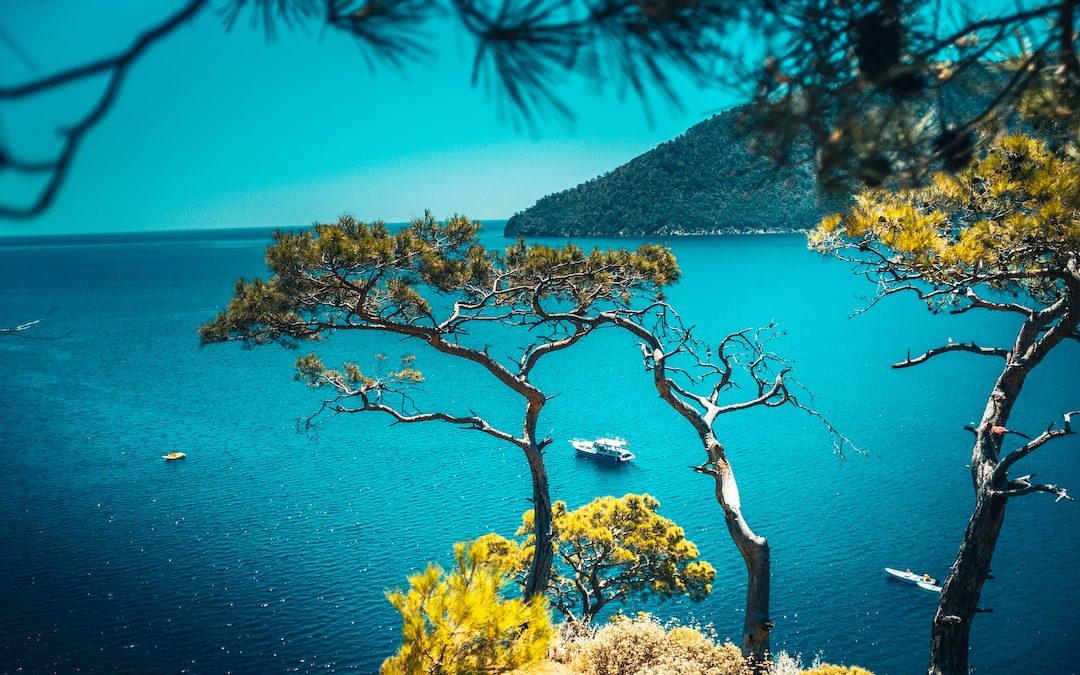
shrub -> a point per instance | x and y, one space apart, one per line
617 547
641 646
458 623
830 669
786 664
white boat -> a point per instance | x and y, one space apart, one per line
924 581
614 449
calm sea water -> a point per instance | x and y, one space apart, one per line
268 550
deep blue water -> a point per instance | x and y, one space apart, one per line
268 550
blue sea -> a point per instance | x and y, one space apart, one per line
270 547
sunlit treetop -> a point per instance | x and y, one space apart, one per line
586 279
429 278
1010 221
612 548
433 282
458 622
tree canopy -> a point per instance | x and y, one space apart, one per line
432 282
1007 223
352 275
609 550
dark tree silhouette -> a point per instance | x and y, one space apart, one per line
880 91
846 85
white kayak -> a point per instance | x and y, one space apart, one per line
921 580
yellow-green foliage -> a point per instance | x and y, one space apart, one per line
568 273
1051 107
829 669
351 274
352 380
458 623
1004 219
616 547
641 646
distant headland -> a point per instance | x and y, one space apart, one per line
706 181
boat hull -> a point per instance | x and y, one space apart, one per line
608 458
919 579
606 449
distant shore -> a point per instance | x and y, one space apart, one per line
671 233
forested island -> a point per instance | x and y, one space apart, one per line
706 181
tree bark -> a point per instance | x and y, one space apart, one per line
536 582
951 631
755 554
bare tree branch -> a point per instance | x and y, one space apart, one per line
116 68
1023 486
469 422
978 302
952 347
1002 469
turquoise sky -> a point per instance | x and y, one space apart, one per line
216 129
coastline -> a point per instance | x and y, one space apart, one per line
666 233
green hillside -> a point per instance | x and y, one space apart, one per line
706 181
703 182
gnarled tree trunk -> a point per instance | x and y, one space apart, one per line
540 569
755 554
951 632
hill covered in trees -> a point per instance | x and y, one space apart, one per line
706 181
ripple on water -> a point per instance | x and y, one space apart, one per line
269 550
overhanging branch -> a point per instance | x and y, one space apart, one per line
469 422
116 67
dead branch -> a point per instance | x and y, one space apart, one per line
1023 486
952 347
1002 469
468 422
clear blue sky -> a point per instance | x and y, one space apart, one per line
216 129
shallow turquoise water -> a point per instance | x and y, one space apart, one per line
268 550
